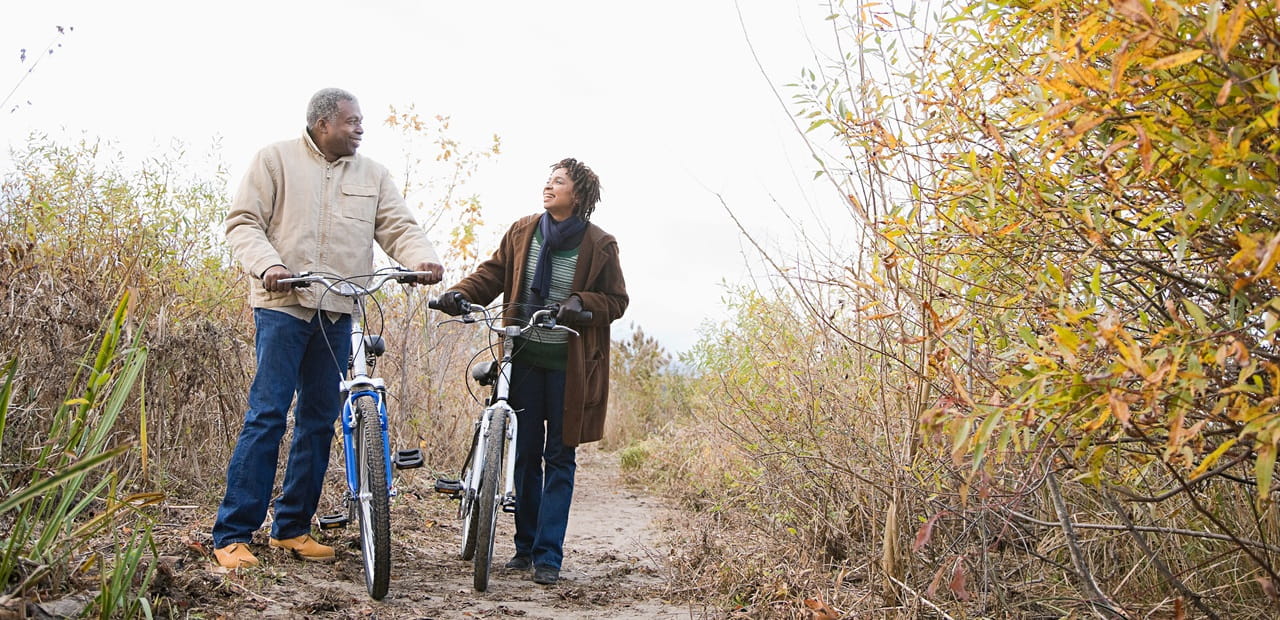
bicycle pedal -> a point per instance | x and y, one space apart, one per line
409 459
508 504
333 522
452 488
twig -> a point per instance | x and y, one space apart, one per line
1150 530
251 593
1097 599
1155 558
47 51
920 598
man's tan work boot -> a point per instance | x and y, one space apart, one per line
235 555
306 548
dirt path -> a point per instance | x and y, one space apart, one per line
611 569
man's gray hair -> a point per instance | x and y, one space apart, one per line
324 104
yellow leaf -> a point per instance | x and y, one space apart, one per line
1269 257
76 401
1235 25
1097 422
1175 60
1213 457
1265 468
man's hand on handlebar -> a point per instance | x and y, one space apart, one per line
272 276
435 273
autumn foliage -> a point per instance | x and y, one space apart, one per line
1048 369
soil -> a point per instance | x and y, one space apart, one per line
613 566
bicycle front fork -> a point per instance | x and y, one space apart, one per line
404 459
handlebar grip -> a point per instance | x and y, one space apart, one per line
463 304
584 316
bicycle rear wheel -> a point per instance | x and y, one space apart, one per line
489 500
372 499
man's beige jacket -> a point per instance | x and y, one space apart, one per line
295 209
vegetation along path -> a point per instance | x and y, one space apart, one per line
612 568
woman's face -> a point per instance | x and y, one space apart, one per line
557 195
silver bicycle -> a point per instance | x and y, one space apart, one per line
487 480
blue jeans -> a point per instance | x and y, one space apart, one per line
294 357
542 501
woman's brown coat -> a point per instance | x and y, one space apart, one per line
598 282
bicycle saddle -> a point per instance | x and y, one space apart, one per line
485 373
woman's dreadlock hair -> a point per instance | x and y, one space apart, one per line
586 186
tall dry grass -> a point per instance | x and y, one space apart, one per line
806 479
78 230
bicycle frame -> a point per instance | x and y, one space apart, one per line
497 406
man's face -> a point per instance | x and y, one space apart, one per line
340 136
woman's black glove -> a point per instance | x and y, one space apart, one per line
450 303
570 310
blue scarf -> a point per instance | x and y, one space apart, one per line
556 236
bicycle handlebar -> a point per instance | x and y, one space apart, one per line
546 317
347 288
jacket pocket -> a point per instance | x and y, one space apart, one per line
597 383
358 202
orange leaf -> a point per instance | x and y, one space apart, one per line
1144 150
958 578
820 610
926 532
1224 93
1119 408
1269 588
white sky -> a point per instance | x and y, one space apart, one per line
661 98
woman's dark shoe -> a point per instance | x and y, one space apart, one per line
520 562
545 575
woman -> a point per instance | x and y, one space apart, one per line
559 382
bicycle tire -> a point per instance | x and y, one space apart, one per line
373 499
467 510
488 501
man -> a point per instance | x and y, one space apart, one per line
308 204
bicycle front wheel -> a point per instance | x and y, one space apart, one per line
489 499
372 499
468 510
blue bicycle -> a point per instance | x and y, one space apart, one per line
365 444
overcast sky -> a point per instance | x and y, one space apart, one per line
662 98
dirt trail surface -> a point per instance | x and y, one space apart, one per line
612 568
